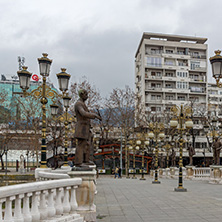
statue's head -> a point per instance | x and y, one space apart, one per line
83 94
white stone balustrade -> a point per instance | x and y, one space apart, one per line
41 201
201 173
49 174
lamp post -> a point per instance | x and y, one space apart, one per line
66 118
157 135
142 142
127 144
43 92
167 147
216 64
181 114
134 149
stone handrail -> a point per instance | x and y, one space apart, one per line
201 172
39 201
49 174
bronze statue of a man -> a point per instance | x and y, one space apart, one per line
82 130
191 152
217 146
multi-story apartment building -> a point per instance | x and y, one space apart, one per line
215 99
171 69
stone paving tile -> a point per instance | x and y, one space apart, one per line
135 200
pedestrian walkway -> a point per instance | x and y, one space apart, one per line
135 200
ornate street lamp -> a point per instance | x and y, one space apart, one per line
181 114
24 78
54 109
216 63
43 92
134 149
66 118
63 79
157 135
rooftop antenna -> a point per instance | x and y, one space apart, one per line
21 61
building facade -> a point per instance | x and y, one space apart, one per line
171 70
14 103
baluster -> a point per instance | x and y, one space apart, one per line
73 201
1 202
51 204
42 206
18 217
66 204
8 209
35 210
26 209
58 205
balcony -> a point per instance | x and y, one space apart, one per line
153 65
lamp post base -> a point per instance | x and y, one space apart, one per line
134 177
156 182
180 189
142 178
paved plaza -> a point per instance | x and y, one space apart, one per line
136 200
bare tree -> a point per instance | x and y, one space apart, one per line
121 103
94 97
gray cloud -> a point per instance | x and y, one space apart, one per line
97 38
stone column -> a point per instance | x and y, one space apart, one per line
215 174
189 170
85 194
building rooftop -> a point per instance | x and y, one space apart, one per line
170 37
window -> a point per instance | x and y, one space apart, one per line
153 97
158 97
169 62
196 89
169 97
194 64
169 74
182 74
154 61
194 99
158 108
182 85
169 51
181 98
158 74
169 86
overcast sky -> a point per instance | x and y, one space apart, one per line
98 38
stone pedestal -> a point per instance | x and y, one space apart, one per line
189 170
215 174
167 172
172 172
160 172
85 194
